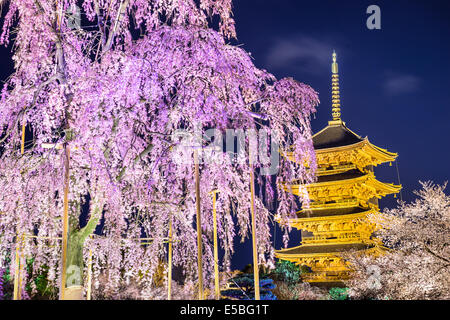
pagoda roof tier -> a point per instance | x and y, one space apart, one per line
336 134
347 186
359 155
308 215
320 249
317 251
335 224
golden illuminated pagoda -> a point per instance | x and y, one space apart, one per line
346 191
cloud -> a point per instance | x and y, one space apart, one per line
396 84
304 53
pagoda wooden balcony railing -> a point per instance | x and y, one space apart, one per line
326 276
340 237
343 203
362 233
323 171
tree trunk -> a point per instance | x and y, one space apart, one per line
74 263
75 246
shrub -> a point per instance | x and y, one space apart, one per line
287 272
338 293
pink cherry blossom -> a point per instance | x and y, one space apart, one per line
114 91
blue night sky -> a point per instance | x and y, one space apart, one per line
394 82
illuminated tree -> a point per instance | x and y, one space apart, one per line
418 264
114 92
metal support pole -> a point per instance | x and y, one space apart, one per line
199 227
65 223
169 279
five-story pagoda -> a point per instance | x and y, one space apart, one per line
346 191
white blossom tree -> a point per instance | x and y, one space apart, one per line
417 264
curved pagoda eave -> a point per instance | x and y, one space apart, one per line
368 180
379 153
289 253
300 221
361 154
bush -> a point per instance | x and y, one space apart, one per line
299 291
338 293
287 272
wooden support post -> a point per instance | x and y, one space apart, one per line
19 240
62 288
89 275
252 209
216 253
18 269
199 227
169 276
22 144
21 266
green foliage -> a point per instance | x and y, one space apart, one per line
6 285
305 269
287 272
7 275
44 290
338 293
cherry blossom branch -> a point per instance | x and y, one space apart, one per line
435 254
120 15
33 103
94 219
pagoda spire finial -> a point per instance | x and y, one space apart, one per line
335 99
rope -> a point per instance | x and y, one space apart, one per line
274 233
398 178
240 288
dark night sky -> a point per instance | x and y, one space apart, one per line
394 82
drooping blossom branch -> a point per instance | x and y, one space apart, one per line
117 99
